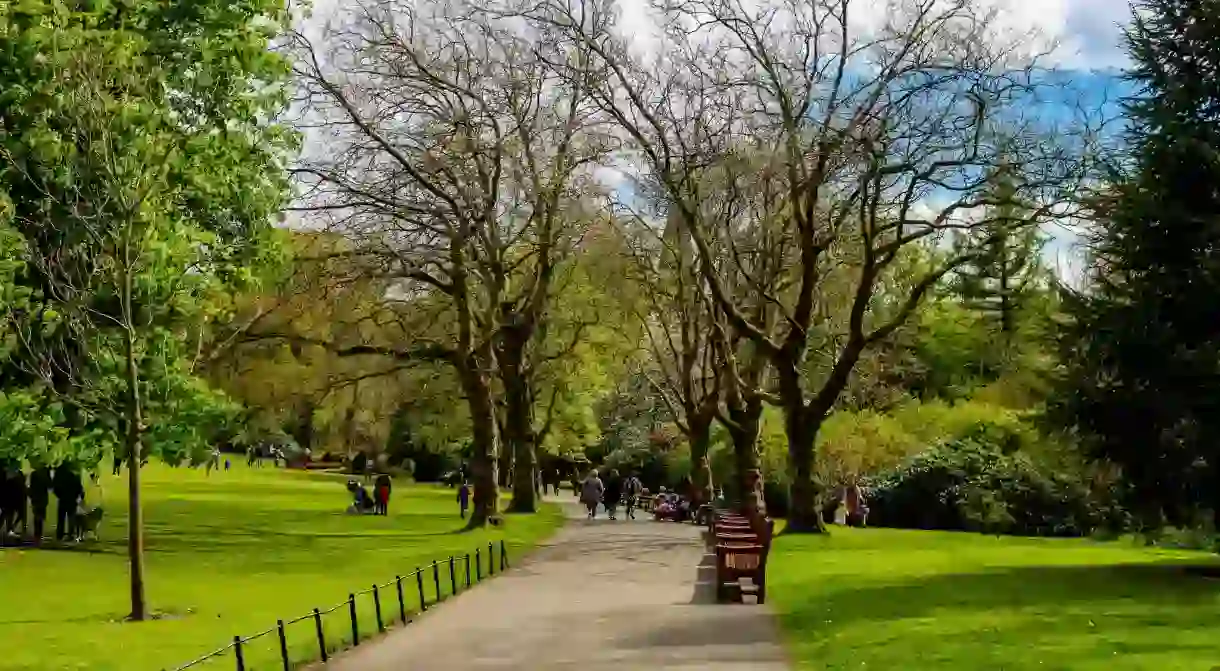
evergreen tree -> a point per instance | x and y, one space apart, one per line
1000 280
1143 351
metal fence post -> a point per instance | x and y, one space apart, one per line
241 662
279 625
317 625
402 605
377 606
238 644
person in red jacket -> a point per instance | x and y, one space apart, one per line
382 494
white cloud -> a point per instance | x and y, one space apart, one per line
1087 32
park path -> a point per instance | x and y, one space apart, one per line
599 596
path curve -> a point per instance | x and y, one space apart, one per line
599 596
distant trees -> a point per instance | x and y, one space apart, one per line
731 95
458 166
275 354
998 281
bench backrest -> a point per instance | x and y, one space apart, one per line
763 527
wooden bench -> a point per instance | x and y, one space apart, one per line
741 546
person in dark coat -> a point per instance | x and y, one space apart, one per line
12 499
381 492
68 491
463 498
40 496
613 493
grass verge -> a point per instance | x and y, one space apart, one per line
230 554
897 599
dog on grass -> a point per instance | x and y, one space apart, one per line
87 522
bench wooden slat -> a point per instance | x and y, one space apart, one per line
741 546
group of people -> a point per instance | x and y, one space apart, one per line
611 492
669 505
378 503
18 495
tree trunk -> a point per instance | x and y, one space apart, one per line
804 491
746 418
135 516
519 427
700 441
485 445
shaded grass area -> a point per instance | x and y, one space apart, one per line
230 554
884 598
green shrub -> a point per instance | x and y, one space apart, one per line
985 481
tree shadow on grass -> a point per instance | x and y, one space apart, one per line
1167 593
95 618
741 635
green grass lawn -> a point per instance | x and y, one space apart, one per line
892 599
229 554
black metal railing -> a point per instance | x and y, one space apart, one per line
330 637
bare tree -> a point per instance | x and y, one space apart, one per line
450 156
678 319
880 135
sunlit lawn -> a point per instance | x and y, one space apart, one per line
890 599
229 554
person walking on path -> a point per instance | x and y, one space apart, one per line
613 493
463 498
382 494
40 497
631 494
591 492
68 491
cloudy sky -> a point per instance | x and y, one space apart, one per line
1090 36
1088 31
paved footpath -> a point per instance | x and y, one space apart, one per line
600 596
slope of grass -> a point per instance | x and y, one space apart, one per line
894 599
230 554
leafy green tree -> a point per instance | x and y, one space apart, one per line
141 173
278 354
1143 349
